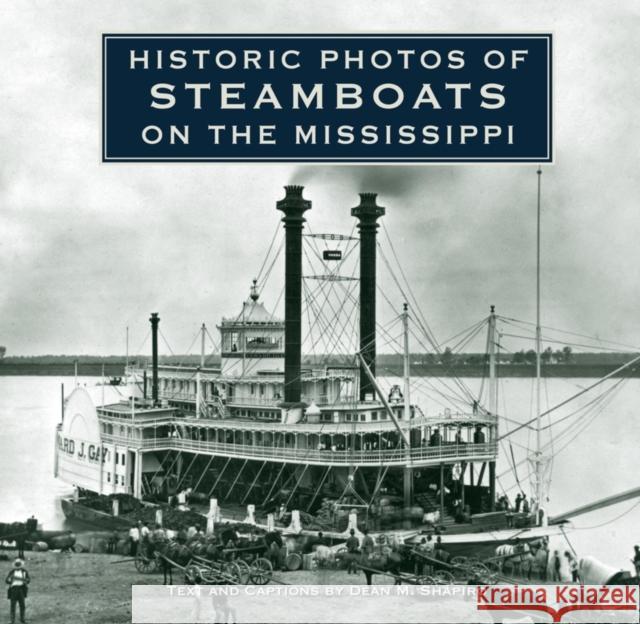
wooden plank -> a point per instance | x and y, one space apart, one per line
599 504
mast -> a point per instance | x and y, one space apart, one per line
538 458
408 469
198 377
493 400
406 363
491 349
126 365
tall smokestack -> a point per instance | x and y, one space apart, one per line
154 320
367 214
293 206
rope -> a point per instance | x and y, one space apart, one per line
597 526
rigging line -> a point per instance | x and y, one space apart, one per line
393 251
264 262
310 324
481 322
597 526
216 346
515 468
580 424
466 393
339 328
166 342
580 409
333 329
462 386
427 332
267 275
143 343
314 248
564 331
464 341
548 340
583 391
486 350
325 325
578 427
427 386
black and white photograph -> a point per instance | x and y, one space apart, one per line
319 312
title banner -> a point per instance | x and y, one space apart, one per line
327 98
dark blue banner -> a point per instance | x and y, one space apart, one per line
327 98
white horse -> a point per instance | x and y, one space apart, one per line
517 557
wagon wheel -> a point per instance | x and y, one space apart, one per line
426 580
245 571
231 572
145 565
493 565
477 567
209 575
192 574
261 571
460 561
442 577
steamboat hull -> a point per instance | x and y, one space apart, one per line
76 510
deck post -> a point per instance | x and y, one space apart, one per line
137 475
441 492
462 471
481 475
492 485
408 485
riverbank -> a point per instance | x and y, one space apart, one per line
568 370
96 589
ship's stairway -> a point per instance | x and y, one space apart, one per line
430 503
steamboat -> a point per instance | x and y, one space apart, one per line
314 444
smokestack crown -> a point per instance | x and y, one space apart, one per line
293 205
368 210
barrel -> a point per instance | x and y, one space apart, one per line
308 562
293 561
63 541
40 546
416 512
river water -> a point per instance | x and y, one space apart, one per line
596 452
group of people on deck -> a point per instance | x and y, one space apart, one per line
436 439
521 505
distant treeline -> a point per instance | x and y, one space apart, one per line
564 363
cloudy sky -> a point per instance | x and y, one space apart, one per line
89 248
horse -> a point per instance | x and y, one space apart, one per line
517 556
386 561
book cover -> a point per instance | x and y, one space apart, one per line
319 312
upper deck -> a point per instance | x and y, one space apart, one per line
449 438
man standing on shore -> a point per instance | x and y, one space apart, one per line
18 581
134 539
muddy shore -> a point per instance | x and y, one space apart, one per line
96 589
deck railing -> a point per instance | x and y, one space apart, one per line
417 456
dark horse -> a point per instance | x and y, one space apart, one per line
375 563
